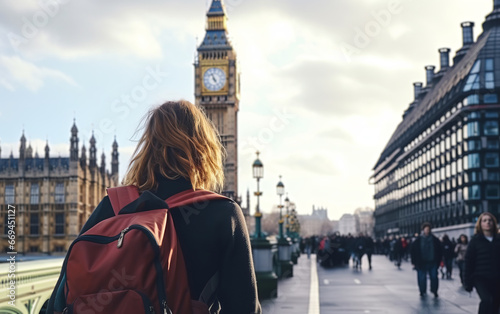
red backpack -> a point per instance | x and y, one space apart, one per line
132 262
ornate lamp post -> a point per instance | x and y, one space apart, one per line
280 190
262 248
287 219
292 224
258 173
284 245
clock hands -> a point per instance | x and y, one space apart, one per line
214 79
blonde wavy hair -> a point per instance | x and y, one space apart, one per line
178 141
479 230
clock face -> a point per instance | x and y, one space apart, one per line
214 79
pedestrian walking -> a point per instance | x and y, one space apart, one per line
180 152
460 250
398 251
308 247
358 251
404 245
369 248
448 255
426 254
482 264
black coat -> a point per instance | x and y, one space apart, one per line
213 238
416 255
482 260
448 249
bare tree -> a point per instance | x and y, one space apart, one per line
270 223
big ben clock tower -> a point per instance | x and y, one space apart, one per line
217 89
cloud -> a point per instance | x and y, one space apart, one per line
336 133
317 164
6 84
329 89
29 75
76 29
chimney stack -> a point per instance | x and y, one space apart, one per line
444 56
468 32
468 39
429 74
417 88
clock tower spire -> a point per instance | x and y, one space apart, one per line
217 88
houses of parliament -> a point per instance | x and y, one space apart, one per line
53 196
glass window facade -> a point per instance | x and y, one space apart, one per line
447 170
473 129
489 76
59 218
59 195
473 161
35 194
491 160
473 78
10 196
475 192
490 99
492 191
6 224
491 128
34 224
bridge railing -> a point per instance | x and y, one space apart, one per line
33 282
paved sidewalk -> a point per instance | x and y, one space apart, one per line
383 290
389 290
293 293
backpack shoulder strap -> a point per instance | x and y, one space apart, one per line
208 293
122 196
192 197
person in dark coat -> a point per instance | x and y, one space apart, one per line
460 250
369 248
448 255
426 254
180 150
398 251
482 264
359 250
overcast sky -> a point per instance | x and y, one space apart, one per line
324 83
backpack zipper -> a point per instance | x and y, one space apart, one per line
122 235
166 309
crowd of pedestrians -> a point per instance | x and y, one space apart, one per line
477 260
338 250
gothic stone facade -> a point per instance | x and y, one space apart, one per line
53 196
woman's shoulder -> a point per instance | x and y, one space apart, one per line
224 206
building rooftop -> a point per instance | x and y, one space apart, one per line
450 87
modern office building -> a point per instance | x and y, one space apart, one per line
52 196
442 162
217 89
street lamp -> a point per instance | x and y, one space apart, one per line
262 249
294 226
284 248
258 173
280 190
287 204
